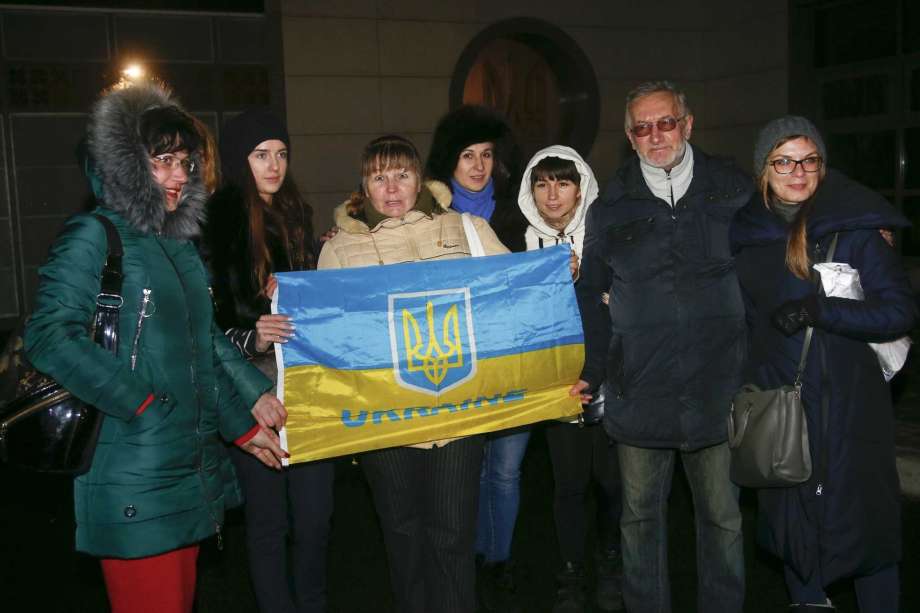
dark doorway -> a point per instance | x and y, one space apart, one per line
538 77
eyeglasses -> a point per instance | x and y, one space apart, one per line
665 124
171 163
785 166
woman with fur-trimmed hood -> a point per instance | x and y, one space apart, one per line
160 479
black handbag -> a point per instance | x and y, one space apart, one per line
44 427
767 430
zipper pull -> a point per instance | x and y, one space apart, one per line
145 301
820 489
220 538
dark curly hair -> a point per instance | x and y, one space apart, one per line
467 125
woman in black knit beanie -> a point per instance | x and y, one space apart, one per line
258 224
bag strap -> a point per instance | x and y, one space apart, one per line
472 236
110 288
809 332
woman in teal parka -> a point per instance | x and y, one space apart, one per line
160 479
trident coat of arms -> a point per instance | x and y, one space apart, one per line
432 339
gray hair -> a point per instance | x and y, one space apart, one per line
653 87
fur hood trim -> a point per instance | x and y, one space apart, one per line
121 165
345 215
539 229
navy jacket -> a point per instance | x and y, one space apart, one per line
853 526
672 339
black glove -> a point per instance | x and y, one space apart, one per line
794 315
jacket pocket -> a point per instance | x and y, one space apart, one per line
154 416
635 249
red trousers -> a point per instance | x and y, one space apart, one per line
156 584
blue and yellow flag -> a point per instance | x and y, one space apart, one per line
409 353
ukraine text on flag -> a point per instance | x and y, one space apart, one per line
407 353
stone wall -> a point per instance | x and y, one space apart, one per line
357 69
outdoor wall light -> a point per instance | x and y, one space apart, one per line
133 72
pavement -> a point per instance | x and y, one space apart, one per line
40 571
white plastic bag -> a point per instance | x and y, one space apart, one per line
842 281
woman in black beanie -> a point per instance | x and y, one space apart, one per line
258 224
488 190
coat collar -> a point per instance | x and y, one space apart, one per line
345 221
632 184
840 204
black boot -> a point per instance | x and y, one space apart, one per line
570 595
609 595
496 588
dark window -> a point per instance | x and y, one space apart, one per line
245 86
867 157
9 306
855 31
55 87
915 89
37 36
912 158
911 21
858 97
910 239
172 38
243 40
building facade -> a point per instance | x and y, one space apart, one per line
345 72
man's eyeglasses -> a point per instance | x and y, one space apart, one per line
785 166
665 124
170 162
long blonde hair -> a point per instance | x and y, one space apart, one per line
797 260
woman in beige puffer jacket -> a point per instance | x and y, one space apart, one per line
428 231
426 495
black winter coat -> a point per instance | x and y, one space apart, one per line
238 303
672 340
854 526
509 224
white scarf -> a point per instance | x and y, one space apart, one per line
670 186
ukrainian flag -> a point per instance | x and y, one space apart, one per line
407 353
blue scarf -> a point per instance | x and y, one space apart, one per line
481 203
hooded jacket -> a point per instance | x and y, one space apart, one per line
160 477
853 527
539 234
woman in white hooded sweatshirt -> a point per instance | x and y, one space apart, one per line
556 190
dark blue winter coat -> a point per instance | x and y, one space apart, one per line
853 527
672 340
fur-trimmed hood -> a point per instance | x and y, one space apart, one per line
539 230
348 217
122 168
